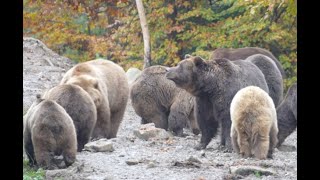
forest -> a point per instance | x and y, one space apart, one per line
87 29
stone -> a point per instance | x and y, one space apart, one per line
101 145
132 74
131 162
149 131
247 170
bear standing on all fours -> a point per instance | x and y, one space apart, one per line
243 53
80 107
48 132
271 74
157 99
107 85
214 83
254 126
287 114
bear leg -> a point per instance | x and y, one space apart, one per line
103 122
234 139
83 137
69 156
28 147
273 140
193 123
45 159
207 123
225 134
261 147
116 119
244 145
177 119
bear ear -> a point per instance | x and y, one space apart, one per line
95 83
39 98
96 86
187 56
198 60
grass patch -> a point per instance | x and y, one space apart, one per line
257 174
30 173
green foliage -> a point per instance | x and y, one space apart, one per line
31 173
80 29
257 174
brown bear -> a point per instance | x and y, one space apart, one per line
271 74
107 85
254 125
243 53
214 83
157 99
80 107
48 132
287 114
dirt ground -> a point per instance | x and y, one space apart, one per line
174 158
167 159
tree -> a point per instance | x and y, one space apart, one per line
145 33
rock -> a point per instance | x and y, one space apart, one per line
101 145
100 177
70 173
149 131
287 148
186 164
247 170
132 74
232 177
131 162
203 153
151 164
193 159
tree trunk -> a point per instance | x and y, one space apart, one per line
145 33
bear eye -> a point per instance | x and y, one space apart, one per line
95 85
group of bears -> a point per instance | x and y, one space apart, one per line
239 90
89 102
198 93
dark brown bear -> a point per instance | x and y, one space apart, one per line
157 99
214 83
287 114
243 53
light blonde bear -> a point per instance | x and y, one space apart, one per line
254 126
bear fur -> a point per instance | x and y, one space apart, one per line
214 83
157 100
107 85
254 127
48 132
80 107
243 53
287 114
271 74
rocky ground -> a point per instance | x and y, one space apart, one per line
173 158
164 158
42 69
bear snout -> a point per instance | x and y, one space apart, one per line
170 75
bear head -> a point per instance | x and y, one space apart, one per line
90 85
185 74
